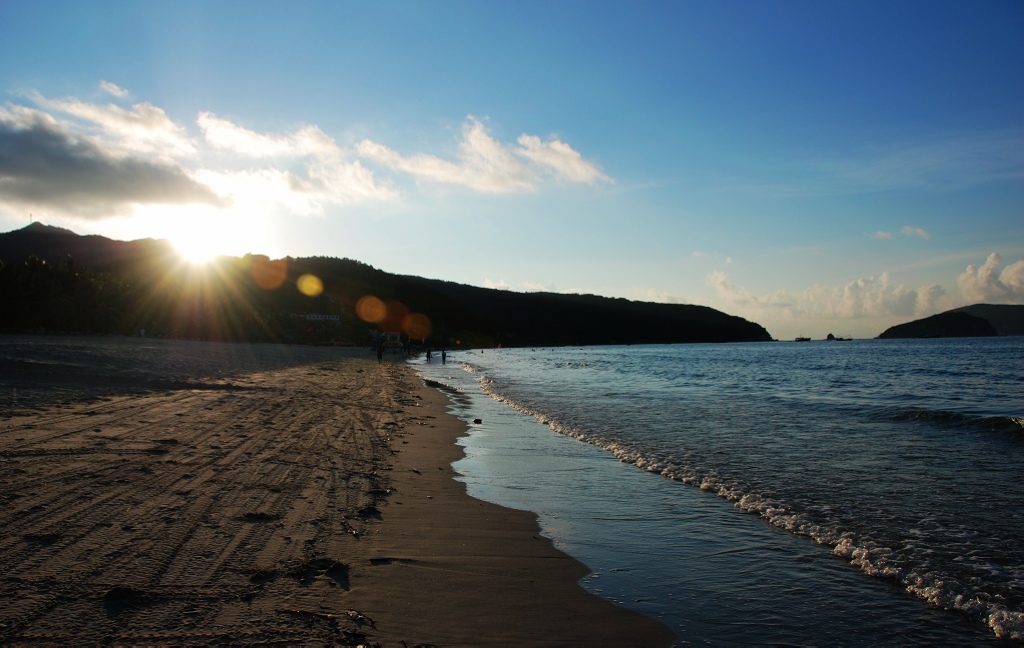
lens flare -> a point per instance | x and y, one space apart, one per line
417 326
269 275
370 309
395 317
310 285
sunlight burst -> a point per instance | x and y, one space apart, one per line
195 247
199 234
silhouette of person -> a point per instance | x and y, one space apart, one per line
444 357
428 355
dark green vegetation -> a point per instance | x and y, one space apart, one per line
1006 319
55 280
962 322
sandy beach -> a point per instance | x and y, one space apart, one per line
310 504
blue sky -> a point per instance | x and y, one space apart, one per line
813 166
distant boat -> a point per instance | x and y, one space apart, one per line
802 339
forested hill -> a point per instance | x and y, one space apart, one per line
528 319
979 320
943 325
55 280
1006 319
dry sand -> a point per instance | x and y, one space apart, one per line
310 505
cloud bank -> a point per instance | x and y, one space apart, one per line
875 302
76 159
991 282
871 297
487 165
43 163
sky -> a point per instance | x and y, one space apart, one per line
815 167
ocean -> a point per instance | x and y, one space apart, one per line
866 492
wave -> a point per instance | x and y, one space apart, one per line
957 420
925 581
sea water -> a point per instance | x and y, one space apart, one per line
856 493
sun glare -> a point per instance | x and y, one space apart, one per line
195 249
200 234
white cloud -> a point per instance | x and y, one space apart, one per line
67 158
877 298
303 194
323 175
113 89
306 141
882 235
657 297
144 128
991 282
870 304
871 297
501 284
344 182
745 298
930 299
530 286
915 231
559 158
487 165
105 160
484 164
46 165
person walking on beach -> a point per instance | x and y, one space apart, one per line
444 357
428 355
380 353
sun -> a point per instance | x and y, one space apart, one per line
201 234
193 248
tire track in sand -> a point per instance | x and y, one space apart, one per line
201 513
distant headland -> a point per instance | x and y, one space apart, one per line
979 320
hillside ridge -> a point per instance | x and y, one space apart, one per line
977 320
54 279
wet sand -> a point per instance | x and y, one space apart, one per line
310 504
